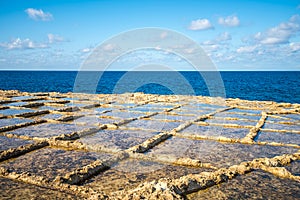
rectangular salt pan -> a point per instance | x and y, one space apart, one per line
123 114
215 131
254 185
153 125
49 162
130 173
237 115
95 120
47 130
16 104
281 126
166 116
238 122
10 189
7 143
116 139
216 153
287 138
12 111
13 121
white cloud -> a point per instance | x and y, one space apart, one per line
280 34
38 15
218 43
295 46
54 38
246 49
223 37
85 50
229 21
200 24
211 48
22 44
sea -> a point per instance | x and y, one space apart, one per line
279 86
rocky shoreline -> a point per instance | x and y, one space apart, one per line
145 146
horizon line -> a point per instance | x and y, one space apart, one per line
66 70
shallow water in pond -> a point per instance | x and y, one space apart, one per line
147 109
152 125
225 121
237 115
7 143
47 130
95 120
12 111
281 126
14 121
10 189
216 131
49 163
130 173
116 139
124 114
23 97
166 116
219 154
255 185
287 138
16 104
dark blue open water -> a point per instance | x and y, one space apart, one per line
274 86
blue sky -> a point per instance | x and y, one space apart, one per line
236 35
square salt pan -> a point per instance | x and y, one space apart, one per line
124 114
23 97
203 106
13 121
191 112
238 122
216 131
95 120
237 115
49 163
281 126
153 125
16 104
258 112
51 116
255 185
116 139
128 174
216 153
291 117
12 111
146 109
7 143
287 138
165 116
47 130
10 189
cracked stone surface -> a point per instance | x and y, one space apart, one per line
256 185
146 146
11 189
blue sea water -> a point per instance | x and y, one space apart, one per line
274 86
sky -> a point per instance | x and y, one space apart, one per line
236 35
